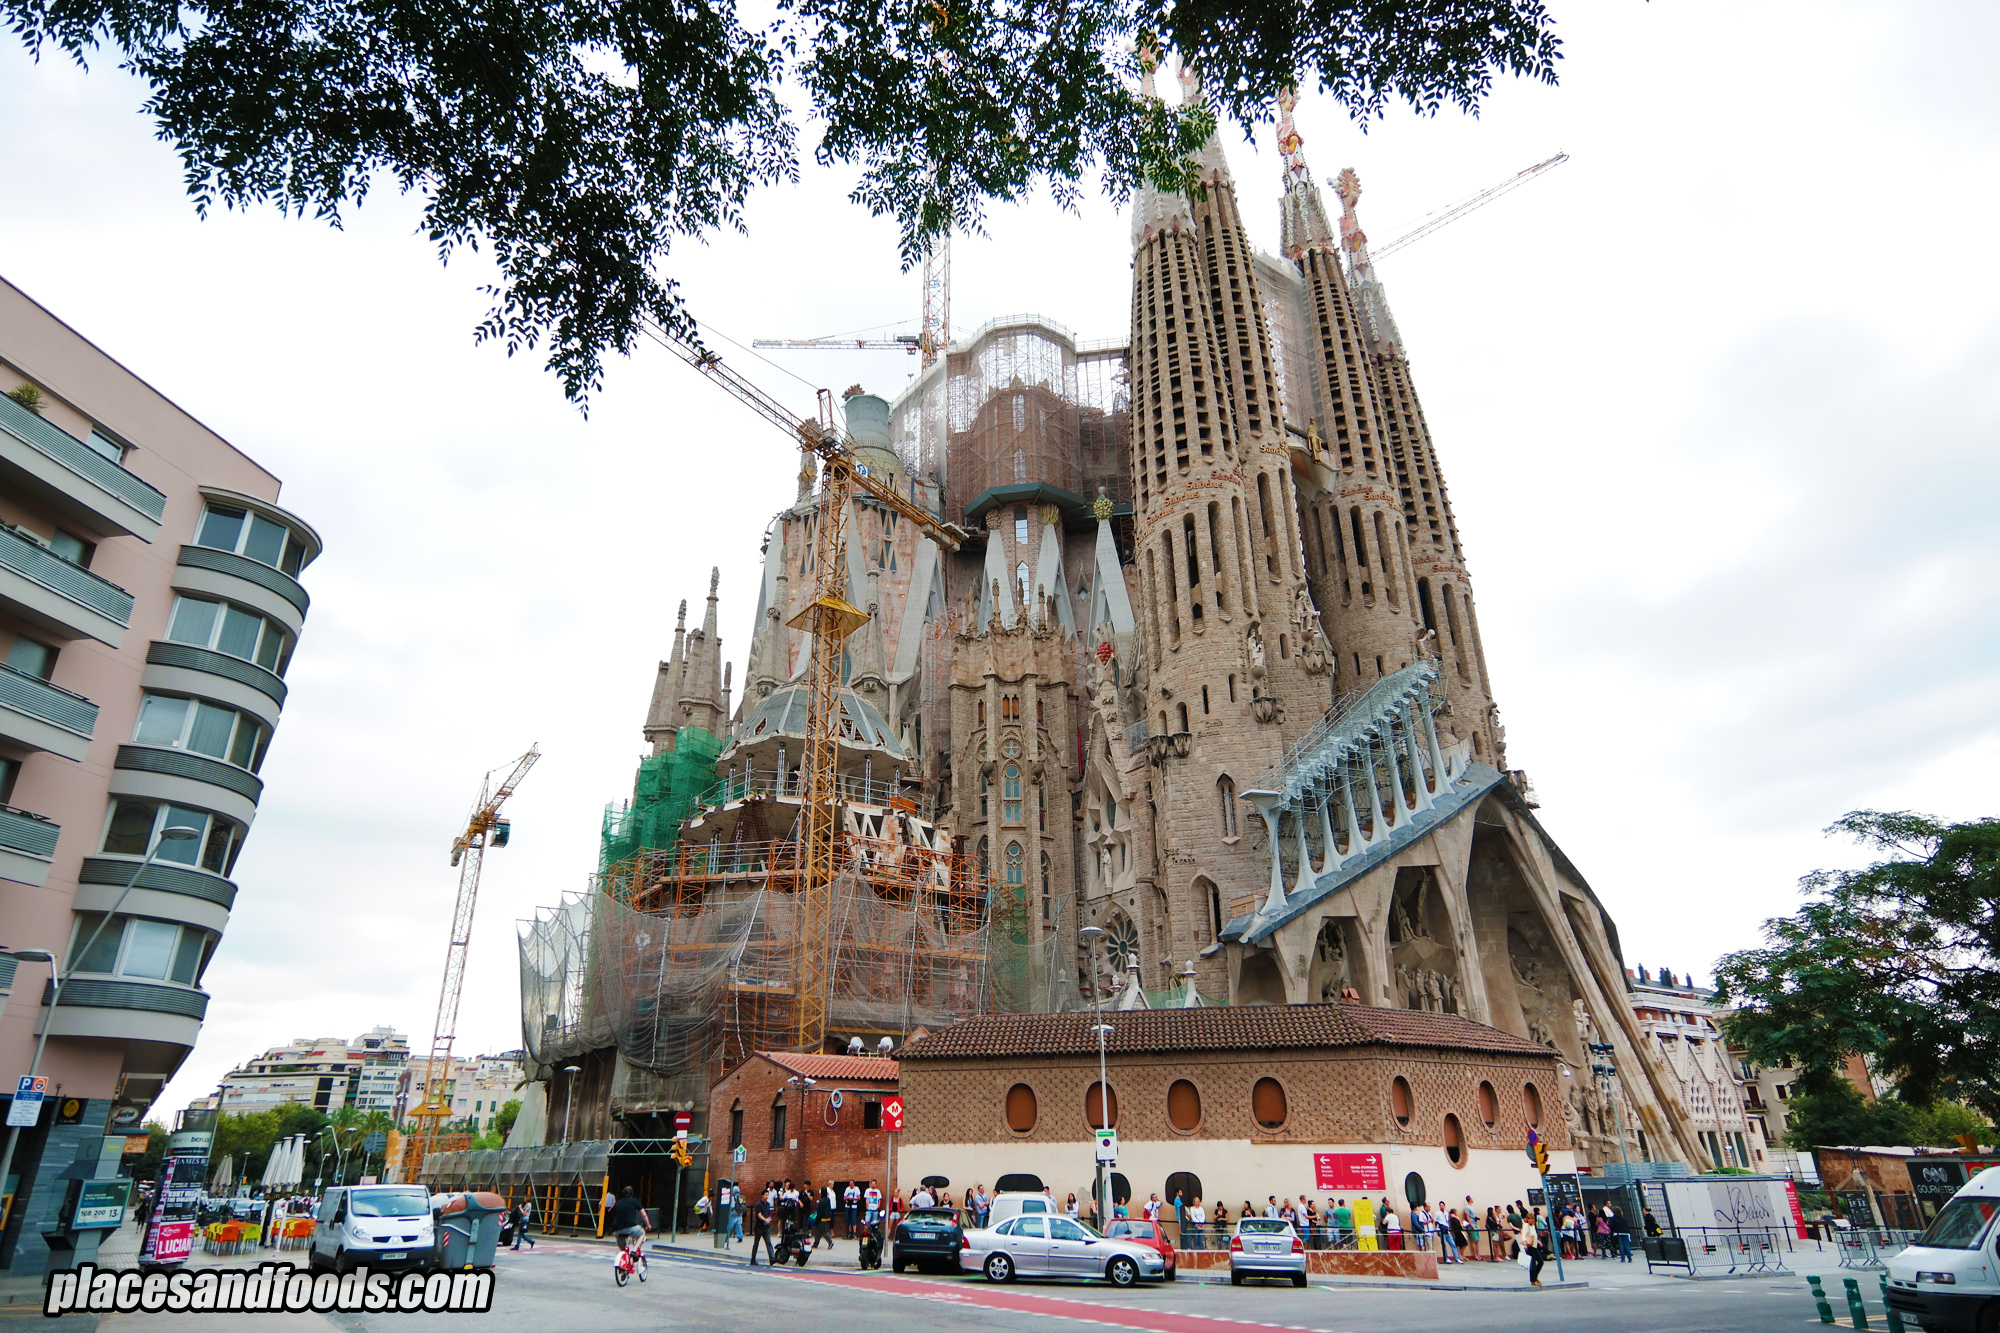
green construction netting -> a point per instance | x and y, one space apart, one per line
663 795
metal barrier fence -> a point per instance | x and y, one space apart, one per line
1866 1247
1722 1250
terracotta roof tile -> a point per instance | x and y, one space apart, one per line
1258 1027
857 1068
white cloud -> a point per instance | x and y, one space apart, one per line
1714 400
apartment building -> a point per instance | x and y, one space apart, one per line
1685 1024
150 604
480 1086
325 1073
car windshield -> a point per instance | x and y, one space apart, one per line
1136 1230
389 1203
1960 1225
934 1217
1263 1226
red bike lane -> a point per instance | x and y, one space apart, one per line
990 1297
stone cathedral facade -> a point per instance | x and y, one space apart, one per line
1208 675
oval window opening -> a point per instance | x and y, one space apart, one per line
1531 1101
1489 1105
1021 1111
1183 1106
1454 1141
1414 1189
1399 1100
1094 1108
1267 1103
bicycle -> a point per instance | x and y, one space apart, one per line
623 1267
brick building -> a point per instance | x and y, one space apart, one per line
780 1107
1235 1103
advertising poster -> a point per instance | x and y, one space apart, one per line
170 1229
1798 1213
1356 1171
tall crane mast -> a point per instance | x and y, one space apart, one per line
468 852
829 618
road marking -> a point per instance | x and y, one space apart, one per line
1052 1307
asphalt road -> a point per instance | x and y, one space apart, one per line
566 1285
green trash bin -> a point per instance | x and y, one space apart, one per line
469 1230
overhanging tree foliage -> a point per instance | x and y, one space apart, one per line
1899 961
579 139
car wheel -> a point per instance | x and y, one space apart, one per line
999 1268
897 1263
1235 1279
1122 1272
1989 1318
340 1262
1298 1279
1173 1273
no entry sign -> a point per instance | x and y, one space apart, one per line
892 1114
1348 1171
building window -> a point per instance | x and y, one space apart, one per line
252 535
1784 1092
982 712
1454 1141
203 727
1010 794
32 657
232 630
735 1126
985 865
1267 1103
1183 712
1225 792
1531 1102
1183 1106
135 824
1015 870
1021 1111
1400 1101
984 787
871 1115
136 947
1094 1110
778 1122
1048 898
1489 1104
1041 809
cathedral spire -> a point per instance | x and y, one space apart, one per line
1214 165
1374 302
1303 220
1154 210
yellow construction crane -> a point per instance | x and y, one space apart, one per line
932 342
468 852
829 618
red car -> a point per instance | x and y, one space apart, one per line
1151 1234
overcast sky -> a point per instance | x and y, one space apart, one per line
1715 400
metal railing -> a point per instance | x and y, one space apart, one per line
735 785
81 459
1867 1247
27 832
26 556
51 703
1721 1250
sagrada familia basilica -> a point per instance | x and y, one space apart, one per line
1209 676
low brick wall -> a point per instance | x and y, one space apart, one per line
1343 1263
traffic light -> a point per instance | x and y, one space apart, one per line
1542 1158
681 1155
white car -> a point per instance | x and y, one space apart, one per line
1047 1245
381 1227
1266 1247
1949 1281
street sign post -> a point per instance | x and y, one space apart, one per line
26 1107
1107 1146
739 1155
683 1122
892 1115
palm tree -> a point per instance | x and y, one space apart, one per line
347 1131
378 1122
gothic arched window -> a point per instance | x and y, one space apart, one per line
1010 795
983 787
1047 896
1225 790
1016 871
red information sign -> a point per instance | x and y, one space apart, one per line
173 1243
1348 1171
892 1114
1798 1213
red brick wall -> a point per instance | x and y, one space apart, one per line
841 1151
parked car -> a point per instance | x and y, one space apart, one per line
1146 1233
1035 1244
1008 1204
1266 1247
384 1227
928 1238
1945 1283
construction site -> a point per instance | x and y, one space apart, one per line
1142 672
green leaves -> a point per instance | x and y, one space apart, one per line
1899 961
578 140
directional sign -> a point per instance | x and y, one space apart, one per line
739 1154
26 1108
892 1115
1107 1145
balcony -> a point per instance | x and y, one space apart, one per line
60 471
65 600
238 578
41 716
187 779
185 669
127 1010
167 892
27 846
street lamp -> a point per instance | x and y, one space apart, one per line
59 974
1094 934
569 1098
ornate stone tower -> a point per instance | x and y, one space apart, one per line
1356 523
692 688
1443 589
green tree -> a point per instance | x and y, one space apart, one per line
503 1123
578 141
1838 1116
148 1165
1899 961
1939 1125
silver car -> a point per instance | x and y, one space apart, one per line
1041 1245
1266 1247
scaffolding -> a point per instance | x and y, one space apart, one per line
664 793
1019 402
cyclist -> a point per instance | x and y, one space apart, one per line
628 1224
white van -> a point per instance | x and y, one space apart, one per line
1950 1279
381 1227
1013 1205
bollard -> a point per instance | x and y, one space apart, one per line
1819 1299
1855 1309
1890 1317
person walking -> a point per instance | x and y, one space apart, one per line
1535 1245
735 1213
524 1214
823 1224
1602 1227
1454 1236
760 1231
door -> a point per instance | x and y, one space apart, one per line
1027 1244
326 1223
1071 1252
